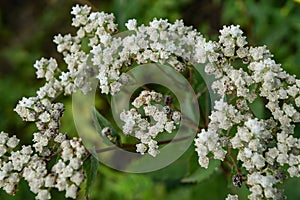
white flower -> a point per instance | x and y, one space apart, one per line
294 171
232 197
131 24
71 191
60 138
45 117
59 167
9 188
61 183
2 150
257 52
141 148
75 163
77 178
67 172
297 101
203 162
176 116
3 137
43 194
258 160
169 126
49 180
13 142
289 109
41 141
254 126
153 151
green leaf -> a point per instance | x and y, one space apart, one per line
289 188
201 173
175 171
213 188
192 163
91 168
102 122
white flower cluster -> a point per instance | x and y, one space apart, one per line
265 146
160 42
156 119
8 178
30 162
223 117
96 51
67 174
92 27
263 186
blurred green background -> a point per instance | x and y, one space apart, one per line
26 32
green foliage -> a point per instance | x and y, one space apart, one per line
202 174
213 188
273 23
290 188
145 10
101 122
91 168
119 186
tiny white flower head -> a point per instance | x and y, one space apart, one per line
13 142
131 24
71 191
232 197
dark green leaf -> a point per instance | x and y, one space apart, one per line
102 122
201 173
175 171
193 165
91 168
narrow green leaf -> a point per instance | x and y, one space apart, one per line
192 163
102 122
91 167
201 173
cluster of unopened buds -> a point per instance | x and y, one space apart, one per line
266 150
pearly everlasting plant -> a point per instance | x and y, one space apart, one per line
143 130
261 151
